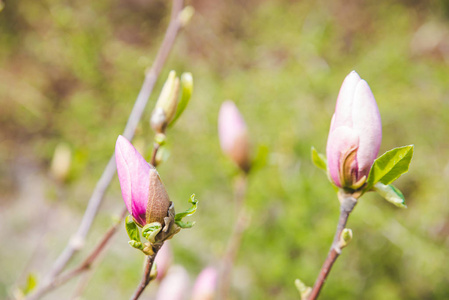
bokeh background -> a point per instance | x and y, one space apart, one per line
71 70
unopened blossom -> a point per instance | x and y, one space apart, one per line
233 135
355 134
205 285
175 285
142 189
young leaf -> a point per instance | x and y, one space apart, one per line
388 167
319 160
31 284
261 158
391 194
188 212
184 225
131 229
150 231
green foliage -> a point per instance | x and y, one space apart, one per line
188 212
390 166
149 231
319 160
31 284
131 229
391 194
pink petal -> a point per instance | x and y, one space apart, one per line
175 286
367 122
343 108
205 285
231 125
339 142
133 172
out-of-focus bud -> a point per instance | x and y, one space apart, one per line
163 260
345 237
175 286
233 135
60 164
355 134
303 289
186 15
165 109
205 285
142 189
186 94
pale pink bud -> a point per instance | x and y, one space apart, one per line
233 135
205 285
355 134
175 286
142 189
163 260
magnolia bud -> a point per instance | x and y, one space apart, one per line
60 164
165 108
355 134
233 135
205 285
142 189
175 285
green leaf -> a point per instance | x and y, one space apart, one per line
391 194
150 231
188 212
319 160
30 284
184 224
390 166
136 244
186 94
131 229
261 158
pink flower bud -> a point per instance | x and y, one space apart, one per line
233 135
355 134
175 286
163 260
205 285
142 189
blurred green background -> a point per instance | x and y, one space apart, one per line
71 70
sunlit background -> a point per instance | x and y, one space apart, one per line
71 70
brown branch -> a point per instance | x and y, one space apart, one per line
146 278
347 205
84 266
76 243
235 239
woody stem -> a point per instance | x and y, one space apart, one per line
347 204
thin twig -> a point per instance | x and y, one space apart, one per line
146 278
84 266
153 160
347 205
76 243
235 238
